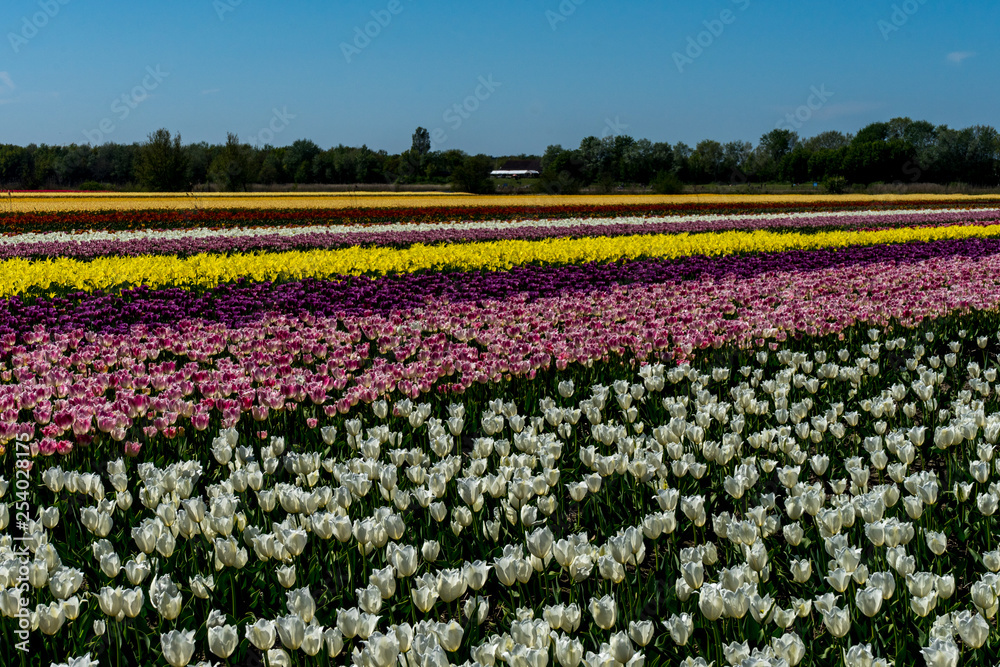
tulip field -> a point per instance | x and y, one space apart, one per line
563 433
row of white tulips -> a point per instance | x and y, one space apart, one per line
747 429
236 232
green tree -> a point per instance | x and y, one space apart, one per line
637 162
113 163
874 133
473 175
421 141
621 149
765 163
161 164
778 143
43 163
562 172
15 164
72 167
551 153
707 162
595 158
438 166
831 140
734 157
271 170
984 155
871 161
199 159
682 161
299 160
661 158
794 166
920 134
826 163
230 169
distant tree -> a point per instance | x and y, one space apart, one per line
637 162
777 143
621 153
871 161
794 166
983 156
43 164
346 164
473 175
551 153
562 172
831 140
421 141
112 163
371 165
299 158
969 155
595 158
920 134
438 166
72 167
898 150
735 155
15 164
271 170
897 128
661 158
230 169
765 162
408 167
826 163
681 158
873 132
160 165
706 162
199 159
328 165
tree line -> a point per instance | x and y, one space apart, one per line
898 151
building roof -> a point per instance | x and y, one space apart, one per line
522 165
513 172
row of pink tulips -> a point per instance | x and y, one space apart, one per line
158 379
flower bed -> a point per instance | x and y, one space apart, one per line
187 242
782 451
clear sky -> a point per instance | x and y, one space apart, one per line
500 77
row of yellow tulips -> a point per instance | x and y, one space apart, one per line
20 276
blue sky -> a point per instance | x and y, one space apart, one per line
497 77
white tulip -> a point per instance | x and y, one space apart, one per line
177 647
